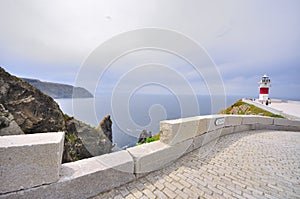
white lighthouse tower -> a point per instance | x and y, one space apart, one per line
264 88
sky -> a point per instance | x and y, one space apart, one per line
244 39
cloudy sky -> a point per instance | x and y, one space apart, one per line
52 40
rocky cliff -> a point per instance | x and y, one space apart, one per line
57 90
26 107
8 125
105 126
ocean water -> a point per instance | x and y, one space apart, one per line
131 115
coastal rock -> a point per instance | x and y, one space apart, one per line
105 127
84 141
144 135
8 126
35 112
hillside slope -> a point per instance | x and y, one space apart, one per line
57 90
242 108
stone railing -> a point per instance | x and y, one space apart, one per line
31 164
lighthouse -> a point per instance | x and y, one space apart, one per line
264 88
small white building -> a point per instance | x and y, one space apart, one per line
264 88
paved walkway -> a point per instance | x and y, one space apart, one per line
255 164
288 107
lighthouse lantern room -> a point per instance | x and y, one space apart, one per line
264 87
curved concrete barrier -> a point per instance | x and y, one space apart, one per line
30 160
89 177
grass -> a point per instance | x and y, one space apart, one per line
251 110
71 138
152 139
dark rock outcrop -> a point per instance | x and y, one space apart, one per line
8 126
85 141
105 126
144 135
35 112
57 90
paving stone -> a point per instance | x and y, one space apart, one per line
160 194
223 189
169 193
136 193
170 186
198 191
206 190
149 186
124 191
252 164
176 178
215 190
118 196
140 186
144 197
184 183
248 196
256 190
130 196
159 185
181 194
149 194
178 185
190 193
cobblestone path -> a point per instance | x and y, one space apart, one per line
254 164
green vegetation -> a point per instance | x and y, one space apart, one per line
152 139
242 108
70 138
67 117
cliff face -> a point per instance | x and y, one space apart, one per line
105 127
83 141
8 125
57 90
34 112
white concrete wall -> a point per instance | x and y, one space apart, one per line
176 131
156 155
89 177
29 160
85 178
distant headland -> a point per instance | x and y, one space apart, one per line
57 90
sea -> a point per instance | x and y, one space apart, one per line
130 116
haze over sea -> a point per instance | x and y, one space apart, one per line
146 111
